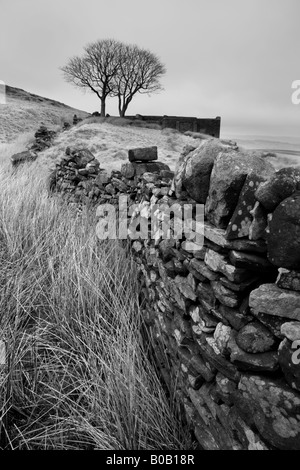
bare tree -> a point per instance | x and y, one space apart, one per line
96 69
139 72
111 68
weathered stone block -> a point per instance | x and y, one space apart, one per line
275 410
282 185
283 238
255 338
146 154
259 362
219 263
272 300
227 179
240 222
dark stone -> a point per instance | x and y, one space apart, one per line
284 234
272 323
120 185
250 261
234 317
282 185
166 174
151 167
289 360
192 270
166 249
217 361
82 157
23 157
195 364
260 362
255 338
146 154
240 222
224 295
205 292
180 268
239 287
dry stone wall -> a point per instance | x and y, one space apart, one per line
225 314
43 138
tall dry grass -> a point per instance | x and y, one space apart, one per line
77 373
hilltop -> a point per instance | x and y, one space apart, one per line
24 111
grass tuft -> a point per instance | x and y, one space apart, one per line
77 374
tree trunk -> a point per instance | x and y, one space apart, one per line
120 105
103 107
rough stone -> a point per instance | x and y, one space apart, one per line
272 300
202 269
217 360
255 338
282 185
227 179
284 234
187 286
149 167
82 157
221 337
288 279
199 164
260 362
205 292
272 323
23 157
240 287
128 170
240 222
275 410
224 295
291 330
217 236
234 317
289 360
218 263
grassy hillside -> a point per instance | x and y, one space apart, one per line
110 139
23 112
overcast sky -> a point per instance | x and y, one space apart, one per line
233 58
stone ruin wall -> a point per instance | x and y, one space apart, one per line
210 126
224 316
